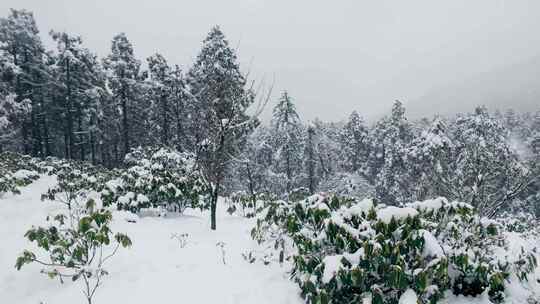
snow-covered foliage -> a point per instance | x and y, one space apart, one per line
17 171
245 204
286 139
76 182
156 178
346 250
347 184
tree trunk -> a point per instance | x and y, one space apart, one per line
213 207
125 126
165 128
251 187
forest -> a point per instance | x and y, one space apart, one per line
390 210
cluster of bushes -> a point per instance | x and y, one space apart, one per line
344 251
17 171
247 205
77 240
156 178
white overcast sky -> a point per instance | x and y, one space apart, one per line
335 56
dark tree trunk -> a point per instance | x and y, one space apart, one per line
251 184
81 136
165 127
125 125
213 207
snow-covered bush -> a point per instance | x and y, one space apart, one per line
344 250
17 171
347 184
476 247
76 181
298 194
77 244
245 204
156 178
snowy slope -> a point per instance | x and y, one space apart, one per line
155 270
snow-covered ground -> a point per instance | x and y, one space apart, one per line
156 269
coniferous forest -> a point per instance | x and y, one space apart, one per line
394 210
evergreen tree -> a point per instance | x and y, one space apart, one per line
76 77
386 165
287 141
489 172
353 142
21 44
430 157
124 82
218 101
177 102
162 115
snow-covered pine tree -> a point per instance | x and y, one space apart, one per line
258 155
21 44
160 94
178 99
287 140
353 142
489 172
386 165
430 157
76 75
124 81
218 103
327 150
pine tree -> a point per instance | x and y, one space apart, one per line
218 101
177 102
430 157
162 115
123 70
489 172
353 141
327 148
77 77
386 165
287 135
20 42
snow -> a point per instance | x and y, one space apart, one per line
332 264
432 247
408 297
386 214
361 207
155 269
430 205
22 174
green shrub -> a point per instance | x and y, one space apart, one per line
17 171
78 243
343 250
156 178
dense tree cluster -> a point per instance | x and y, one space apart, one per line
69 103
487 159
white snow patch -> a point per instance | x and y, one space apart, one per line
386 214
408 297
22 174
